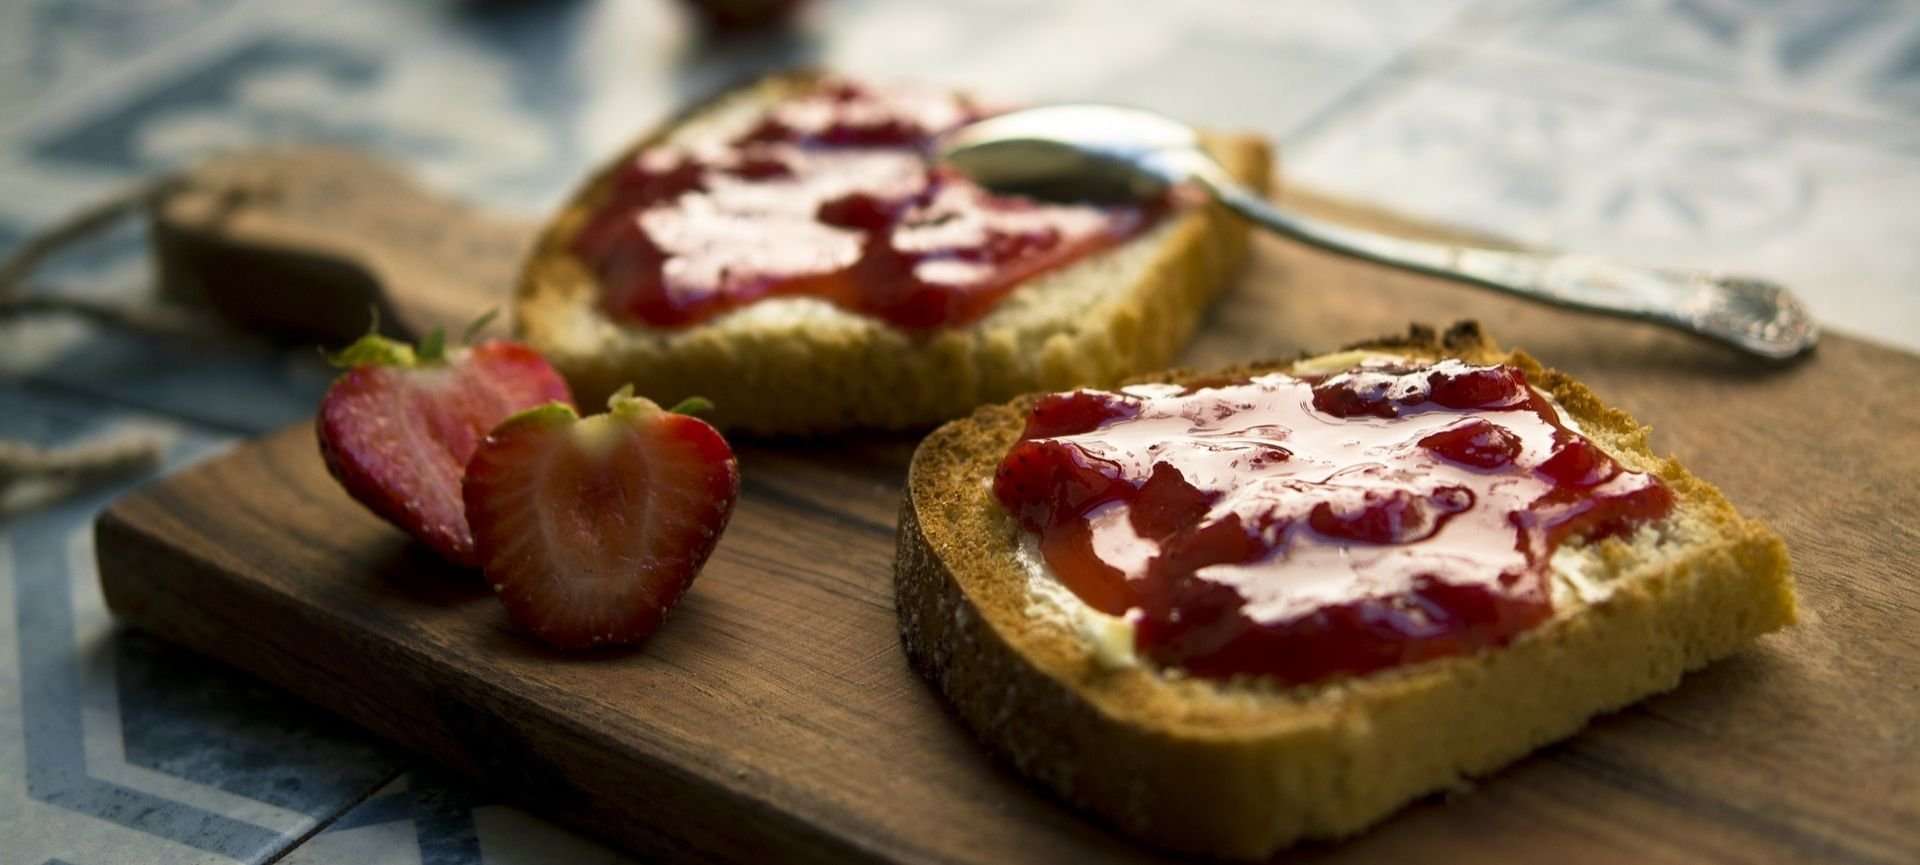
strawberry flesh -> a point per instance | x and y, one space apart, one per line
590 530
397 435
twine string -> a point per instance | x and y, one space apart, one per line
65 470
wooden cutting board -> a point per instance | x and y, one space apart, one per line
775 719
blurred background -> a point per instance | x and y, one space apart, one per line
1769 136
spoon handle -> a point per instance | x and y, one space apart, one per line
1754 315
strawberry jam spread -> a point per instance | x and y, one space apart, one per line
1302 527
830 194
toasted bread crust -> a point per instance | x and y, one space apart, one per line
815 369
1243 769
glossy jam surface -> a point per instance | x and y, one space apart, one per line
1303 527
832 195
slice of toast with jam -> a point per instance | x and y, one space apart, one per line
789 251
1232 610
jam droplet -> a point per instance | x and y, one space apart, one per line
1303 528
1578 463
1075 412
1055 482
1457 385
1477 442
1347 398
1394 516
1166 503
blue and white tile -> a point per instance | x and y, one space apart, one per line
208 378
1575 156
361 73
1242 64
429 818
236 387
117 749
48 49
540 96
1844 57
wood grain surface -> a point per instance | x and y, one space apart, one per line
775 719
301 242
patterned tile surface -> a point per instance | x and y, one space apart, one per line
1780 137
115 748
1760 137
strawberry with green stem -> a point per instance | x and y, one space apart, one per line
590 529
397 428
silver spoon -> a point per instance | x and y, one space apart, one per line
1104 152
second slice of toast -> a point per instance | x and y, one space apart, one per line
1242 768
802 365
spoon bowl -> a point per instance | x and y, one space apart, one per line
1072 152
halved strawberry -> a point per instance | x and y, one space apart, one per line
397 427
589 529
